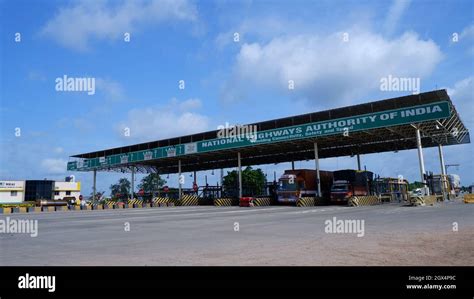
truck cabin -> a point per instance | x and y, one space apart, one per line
340 190
285 183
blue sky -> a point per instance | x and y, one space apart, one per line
225 81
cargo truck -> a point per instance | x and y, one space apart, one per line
297 183
349 182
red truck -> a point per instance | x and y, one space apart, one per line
349 182
294 184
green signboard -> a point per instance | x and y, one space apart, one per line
388 118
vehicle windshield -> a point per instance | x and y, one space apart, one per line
339 187
284 185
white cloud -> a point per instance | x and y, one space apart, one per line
467 35
165 121
58 150
111 89
76 25
189 105
394 14
462 94
467 32
326 68
54 166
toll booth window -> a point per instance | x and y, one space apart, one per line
56 192
13 193
68 192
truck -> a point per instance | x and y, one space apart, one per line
391 189
350 182
297 183
455 183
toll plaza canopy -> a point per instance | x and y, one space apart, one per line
381 126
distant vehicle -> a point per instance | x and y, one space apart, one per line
349 182
418 192
294 184
455 183
393 188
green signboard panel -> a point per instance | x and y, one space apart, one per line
388 118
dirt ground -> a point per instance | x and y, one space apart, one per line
392 249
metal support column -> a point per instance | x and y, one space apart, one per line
179 179
292 165
94 189
222 176
443 170
422 162
239 164
133 182
195 178
316 160
358 162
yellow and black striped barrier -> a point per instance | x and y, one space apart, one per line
134 202
262 201
189 200
309 201
468 198
305 202
164 201
423 200
225 202
370 200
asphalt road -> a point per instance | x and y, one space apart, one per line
206 235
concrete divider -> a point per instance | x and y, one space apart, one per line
33 209
370 200
61 208
468 198
97 207
5 210
47 209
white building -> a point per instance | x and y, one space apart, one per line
17 191
67 189
12 191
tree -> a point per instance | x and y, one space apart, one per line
415 185
151 183
98 195
122 188
253 182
